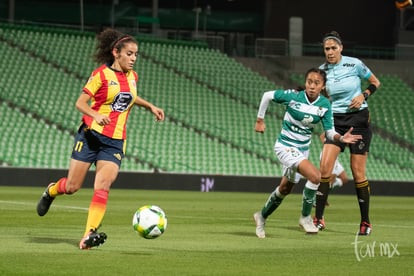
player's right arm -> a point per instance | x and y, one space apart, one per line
264 103
82 104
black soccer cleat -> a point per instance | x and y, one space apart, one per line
45 201
92 239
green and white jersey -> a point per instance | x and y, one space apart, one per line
301 117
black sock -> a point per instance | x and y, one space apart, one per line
363 195
322 197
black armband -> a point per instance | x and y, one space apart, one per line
371 88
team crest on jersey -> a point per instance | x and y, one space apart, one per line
112 83
320 112
121 101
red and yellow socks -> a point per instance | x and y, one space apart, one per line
97 210
58 188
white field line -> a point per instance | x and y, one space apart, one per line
4 202
32 204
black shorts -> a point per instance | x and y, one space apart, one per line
91 146
360 121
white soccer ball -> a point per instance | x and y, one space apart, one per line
149 221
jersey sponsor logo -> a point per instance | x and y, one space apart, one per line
295 129
309 109
348 64
121 101
288 91
307 120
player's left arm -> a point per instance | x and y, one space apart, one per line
365 73
158 112
374 84
82 104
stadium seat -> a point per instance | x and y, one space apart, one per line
209 98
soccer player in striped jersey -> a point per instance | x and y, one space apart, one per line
304 109
350 108
105 103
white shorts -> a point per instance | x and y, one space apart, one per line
290 157
338 168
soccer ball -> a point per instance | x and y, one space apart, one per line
149 221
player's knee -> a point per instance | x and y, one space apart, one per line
103 184
315 177
326 171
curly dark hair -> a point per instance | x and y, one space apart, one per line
108 40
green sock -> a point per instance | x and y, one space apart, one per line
274 200
307 201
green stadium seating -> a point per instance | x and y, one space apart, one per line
210 101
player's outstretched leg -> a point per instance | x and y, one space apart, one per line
274 200
45 201
52 190
92 239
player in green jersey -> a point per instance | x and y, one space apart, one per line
304 109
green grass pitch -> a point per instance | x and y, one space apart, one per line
208 234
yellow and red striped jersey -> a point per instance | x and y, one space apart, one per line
113 94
